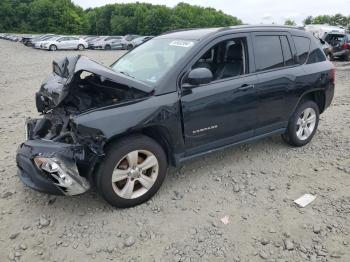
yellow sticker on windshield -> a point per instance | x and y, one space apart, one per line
182 43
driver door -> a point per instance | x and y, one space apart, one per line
223 111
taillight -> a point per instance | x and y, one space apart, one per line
332 75
345 46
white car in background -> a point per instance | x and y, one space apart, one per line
64 43
140 40
108 43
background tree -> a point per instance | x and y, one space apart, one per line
335 20
64 17
290 22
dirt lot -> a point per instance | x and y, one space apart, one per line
254 185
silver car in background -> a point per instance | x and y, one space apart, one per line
140 40
39 38
64 42
107 43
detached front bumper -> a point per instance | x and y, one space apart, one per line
50 167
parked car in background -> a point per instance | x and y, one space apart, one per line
14 38
92 41
10 37
327 49
321 31
178 96
26 38
107 42
64 42
31 42
340 44
38 44
128 41
139 40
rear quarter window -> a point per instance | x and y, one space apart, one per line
302 46
316 54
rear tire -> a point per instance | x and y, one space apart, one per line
81 47
303 124
125 164
108 47
53 48
346 57
129 47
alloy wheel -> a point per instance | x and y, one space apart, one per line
306 124
135 174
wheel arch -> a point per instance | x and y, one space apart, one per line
159 134
318 96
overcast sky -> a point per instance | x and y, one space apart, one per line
253 11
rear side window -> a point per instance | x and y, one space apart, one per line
287 53
302 45
268 52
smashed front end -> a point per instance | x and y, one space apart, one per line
59 157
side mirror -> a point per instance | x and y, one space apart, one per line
200 76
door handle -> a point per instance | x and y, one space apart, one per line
245 87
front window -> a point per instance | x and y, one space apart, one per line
152 60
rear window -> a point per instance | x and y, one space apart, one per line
335 39
268 52
302 45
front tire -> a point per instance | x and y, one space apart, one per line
108 47
132 172
53 48
129 47
81 47
303 124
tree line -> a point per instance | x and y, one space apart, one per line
336 20
64 17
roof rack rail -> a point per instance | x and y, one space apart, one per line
260 25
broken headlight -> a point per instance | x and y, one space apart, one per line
64 174
51 166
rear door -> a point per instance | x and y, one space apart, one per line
73 42
63 43
277 71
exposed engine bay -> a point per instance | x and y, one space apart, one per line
78 85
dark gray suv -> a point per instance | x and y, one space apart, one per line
178 96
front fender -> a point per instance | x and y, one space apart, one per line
110 122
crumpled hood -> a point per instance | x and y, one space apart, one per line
56 87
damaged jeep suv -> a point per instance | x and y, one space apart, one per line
175 97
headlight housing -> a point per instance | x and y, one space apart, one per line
63 173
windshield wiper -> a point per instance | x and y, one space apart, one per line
126 73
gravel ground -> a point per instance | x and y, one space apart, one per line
254 185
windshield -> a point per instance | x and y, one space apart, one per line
152 60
